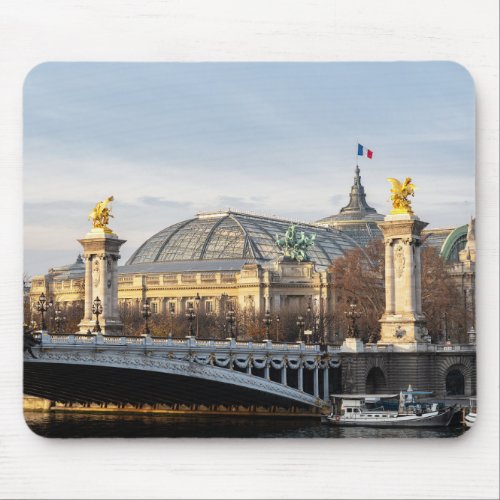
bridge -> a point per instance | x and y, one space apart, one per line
158 370
145 370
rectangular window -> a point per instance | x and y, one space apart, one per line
171 307
209 307
154 307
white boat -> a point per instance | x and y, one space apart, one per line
377 410
471 416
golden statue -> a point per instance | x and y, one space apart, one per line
100 215
399 197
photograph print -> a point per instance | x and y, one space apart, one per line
249 250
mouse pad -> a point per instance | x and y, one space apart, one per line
249 250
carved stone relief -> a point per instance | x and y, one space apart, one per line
399 260
96 272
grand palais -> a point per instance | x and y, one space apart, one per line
233 256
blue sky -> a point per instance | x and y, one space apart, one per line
171 139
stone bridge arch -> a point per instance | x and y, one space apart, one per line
455 377
376 381
114 375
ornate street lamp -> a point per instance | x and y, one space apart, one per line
316 330
446 334
97 310
309 310
267 321
172 314
317 337
191 316
41 307
146 314
278 319
230 318
197 301
300 323
58 320
352 315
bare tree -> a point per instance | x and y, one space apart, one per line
441 299
359 276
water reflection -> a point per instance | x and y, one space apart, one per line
78 425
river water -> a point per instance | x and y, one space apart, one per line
79 425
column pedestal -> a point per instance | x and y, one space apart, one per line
402 321
101 254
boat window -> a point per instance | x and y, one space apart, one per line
349 410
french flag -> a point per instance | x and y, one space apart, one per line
362 151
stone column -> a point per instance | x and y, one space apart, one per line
88 289
326 385
418 278
402 321
316 381
266 370
101 251
300 377
283 374
276 303
389 278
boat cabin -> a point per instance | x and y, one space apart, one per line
353 405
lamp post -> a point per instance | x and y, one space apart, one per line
97 310
221 311
465 305
146 314
308 315
41 307
352 315
446 336
58 319
319 335
278 319
230 318
197 301
172 313
191 316
300 323
267 321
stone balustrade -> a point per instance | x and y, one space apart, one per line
237 345
188 342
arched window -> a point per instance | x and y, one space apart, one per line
375 381
455 383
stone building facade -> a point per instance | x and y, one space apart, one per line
232 256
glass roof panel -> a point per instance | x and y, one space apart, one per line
227 241
235 236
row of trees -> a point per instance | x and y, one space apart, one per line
247 325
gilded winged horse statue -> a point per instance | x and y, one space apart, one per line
100 215
399 195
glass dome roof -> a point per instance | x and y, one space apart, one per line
235 235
